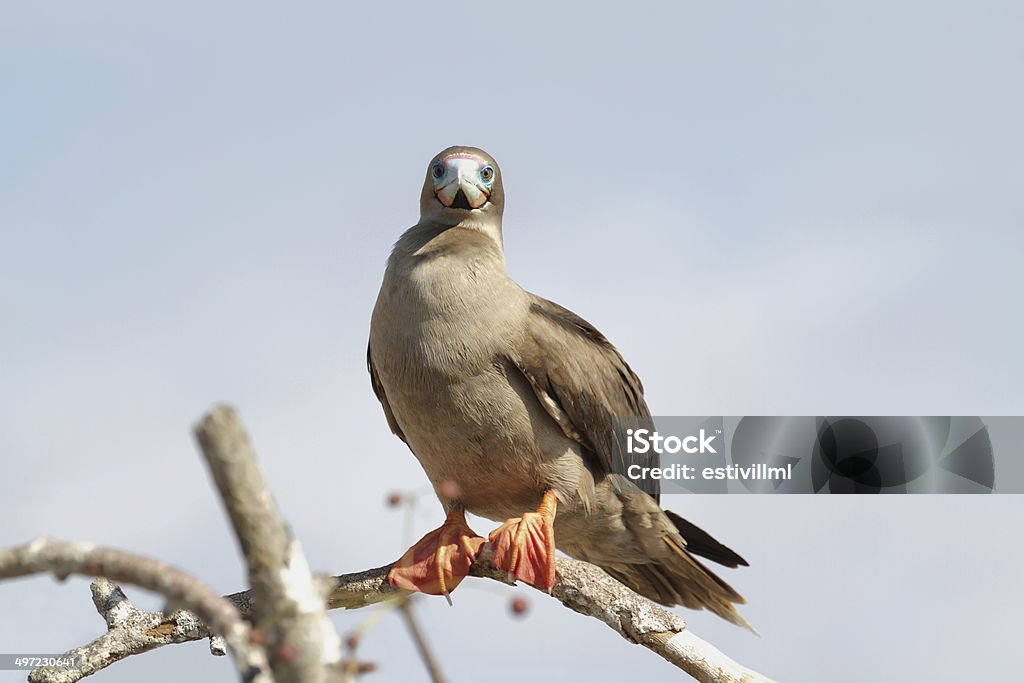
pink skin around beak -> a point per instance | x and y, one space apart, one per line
461 172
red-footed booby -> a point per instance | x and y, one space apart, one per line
508 401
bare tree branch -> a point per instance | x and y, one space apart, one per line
63 559
586 589
580 586
288 606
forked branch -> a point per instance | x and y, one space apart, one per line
294 639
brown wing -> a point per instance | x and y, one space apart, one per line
585 385
378 390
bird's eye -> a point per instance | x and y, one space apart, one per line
437 170
487 174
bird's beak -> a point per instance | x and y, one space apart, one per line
460 187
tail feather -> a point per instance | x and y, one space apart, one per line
667 571
700 542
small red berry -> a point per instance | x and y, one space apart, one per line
519 606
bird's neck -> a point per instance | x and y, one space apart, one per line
454 273
471 237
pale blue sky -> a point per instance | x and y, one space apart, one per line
771 208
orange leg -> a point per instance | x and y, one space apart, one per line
525 546
440 560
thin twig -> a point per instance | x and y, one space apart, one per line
429 660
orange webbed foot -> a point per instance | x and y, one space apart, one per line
439 561
525 546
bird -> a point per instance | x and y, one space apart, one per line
512 405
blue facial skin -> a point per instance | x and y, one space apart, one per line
468 177
486 174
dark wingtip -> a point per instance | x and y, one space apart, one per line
700 542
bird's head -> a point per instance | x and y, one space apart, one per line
463 183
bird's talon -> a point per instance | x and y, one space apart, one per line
439 561
525 546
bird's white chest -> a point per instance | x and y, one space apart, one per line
440 338
445 318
